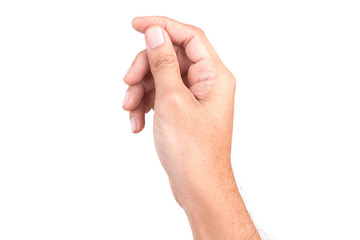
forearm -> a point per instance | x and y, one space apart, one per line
215 208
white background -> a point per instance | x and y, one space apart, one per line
70 168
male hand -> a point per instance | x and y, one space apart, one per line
181 77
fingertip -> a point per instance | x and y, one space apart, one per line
137 121
133 124
126 77
125 101
133 97
136 24
128 80
133 22
138 69
140 24
126 107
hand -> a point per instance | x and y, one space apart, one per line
181 77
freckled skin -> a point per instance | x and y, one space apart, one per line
183 80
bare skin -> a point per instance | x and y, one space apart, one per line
181 77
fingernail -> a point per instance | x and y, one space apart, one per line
154 37
126 98
133 124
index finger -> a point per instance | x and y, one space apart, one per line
193 39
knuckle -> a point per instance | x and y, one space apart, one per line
232 81
174 98
163 62
199 31
140 54
228 85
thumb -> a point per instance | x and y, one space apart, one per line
163 61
